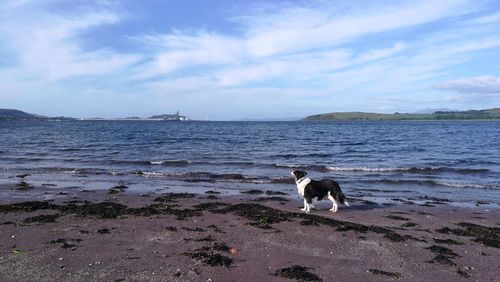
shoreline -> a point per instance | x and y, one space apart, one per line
120 236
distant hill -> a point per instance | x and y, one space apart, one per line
8 114
438 115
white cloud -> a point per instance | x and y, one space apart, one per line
473 85
47 46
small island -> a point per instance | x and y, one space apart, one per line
487 114
17 115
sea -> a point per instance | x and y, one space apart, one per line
400 162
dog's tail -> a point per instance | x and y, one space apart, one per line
343 199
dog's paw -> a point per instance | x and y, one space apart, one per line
333 210
304 209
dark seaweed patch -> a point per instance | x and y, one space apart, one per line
409 224
105 210
215 228
27 206
196 229
263 217
397 217
274 198
385 273
42 219
297 272
253 192
212 192
170 228
208 238
101 210
440 250
463 274
8 223
442 259
117 189
210 256
308 222
447 241
23 186
66 243
104 231
275 193
209 206
488 236
172 197
410 237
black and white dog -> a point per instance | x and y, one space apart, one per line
312 190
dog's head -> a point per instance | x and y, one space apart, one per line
298 174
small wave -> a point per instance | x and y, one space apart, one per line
171 163
292 156
319 168
434 183
411 169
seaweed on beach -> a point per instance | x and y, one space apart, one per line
253 192
212 192
117 189
42 219
104 231
172 197
196 229
447 241
442 259
66 243
440 250
385 273
215 228
23 186
105 210
488 236
297 272
260 216
274 198
209 206
397 217
263 217
27 206
409 224
276 193
209 255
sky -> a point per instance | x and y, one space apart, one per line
230 60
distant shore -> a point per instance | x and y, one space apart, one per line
115 235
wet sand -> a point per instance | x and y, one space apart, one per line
118 236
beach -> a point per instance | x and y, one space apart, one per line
115 235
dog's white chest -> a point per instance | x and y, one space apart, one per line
302 185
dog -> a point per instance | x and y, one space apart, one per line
312 190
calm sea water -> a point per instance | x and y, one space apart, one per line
459 161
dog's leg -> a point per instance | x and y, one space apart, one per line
305 206
334 207
312 205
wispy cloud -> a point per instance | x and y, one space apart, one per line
472 85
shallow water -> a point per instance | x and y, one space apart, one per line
455 160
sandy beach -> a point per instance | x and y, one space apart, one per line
114 235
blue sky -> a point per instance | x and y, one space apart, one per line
247 59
